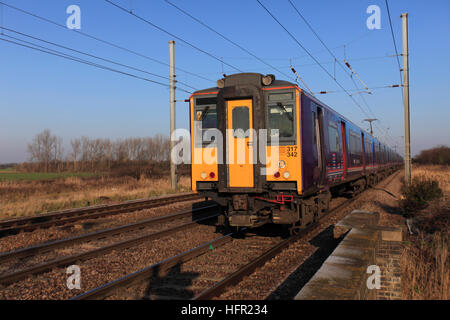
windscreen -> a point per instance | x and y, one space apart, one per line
281 116
205 117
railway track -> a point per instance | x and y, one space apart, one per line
158 276
236 278
269 254
206 286
14 226
206 212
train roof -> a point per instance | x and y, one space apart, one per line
237 78
255 78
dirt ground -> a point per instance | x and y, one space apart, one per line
385 200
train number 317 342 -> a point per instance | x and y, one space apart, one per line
292 152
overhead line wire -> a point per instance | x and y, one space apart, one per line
332 54
53 52
306 50
323 43
358 89
395 44
171 34
94 56
101 40
323 68
301 57
226 38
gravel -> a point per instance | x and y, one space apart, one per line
283 277
108 267
280 278
26 239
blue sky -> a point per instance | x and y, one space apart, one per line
39 91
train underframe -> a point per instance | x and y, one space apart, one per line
286 207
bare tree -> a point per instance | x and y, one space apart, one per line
76 150
58 152
35 150
84 151
47 152
42 148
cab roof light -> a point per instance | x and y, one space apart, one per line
268 79
220 83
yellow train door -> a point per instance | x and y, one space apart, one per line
240 143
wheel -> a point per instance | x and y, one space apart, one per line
294 229
235 230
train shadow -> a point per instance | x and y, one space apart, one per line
269 231
325 243
199 215
170 285
389 209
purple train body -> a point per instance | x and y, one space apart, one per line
321 153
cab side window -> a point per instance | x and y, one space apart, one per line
205 118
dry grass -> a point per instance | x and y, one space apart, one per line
425 264
439 173
22 198
425 260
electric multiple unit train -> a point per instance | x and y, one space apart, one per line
320 152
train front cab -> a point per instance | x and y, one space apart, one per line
240 110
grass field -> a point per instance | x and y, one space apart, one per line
11 175
33 193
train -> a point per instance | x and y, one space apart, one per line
318 152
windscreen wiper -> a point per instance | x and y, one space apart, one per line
204 113
279 105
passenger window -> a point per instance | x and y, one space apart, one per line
355 144
368 150
281 117
333 137
241 121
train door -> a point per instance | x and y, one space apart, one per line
317 126
344 148
369 154
363 153
240 143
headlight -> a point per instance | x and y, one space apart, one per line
286 175
203 175
220 83
281 164
268 79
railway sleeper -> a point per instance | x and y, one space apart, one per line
254 210
296 212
